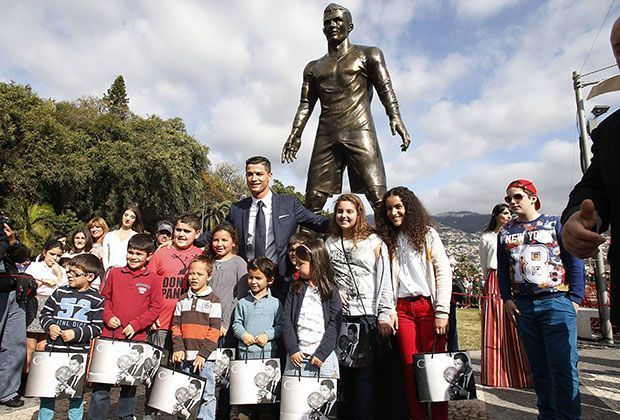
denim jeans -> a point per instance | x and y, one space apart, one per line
329 369
548 328
12 345
100 402
76 408
209 404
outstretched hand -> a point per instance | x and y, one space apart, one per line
397 126
577 235
290 149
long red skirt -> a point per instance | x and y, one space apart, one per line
504 363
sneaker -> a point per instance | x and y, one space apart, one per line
13 402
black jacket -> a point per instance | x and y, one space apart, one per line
332 315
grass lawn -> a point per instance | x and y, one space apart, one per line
468 327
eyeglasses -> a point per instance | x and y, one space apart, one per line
71 274
517 197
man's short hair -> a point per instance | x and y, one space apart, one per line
88 263
259 160
352 327
228 352
264 265
332 7
462 357
272 363
328 383
138 348
141 242
78 358
196 383
189 219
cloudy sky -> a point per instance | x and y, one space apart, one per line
484 86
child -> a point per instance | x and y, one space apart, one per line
72 316
542 285
229 275
132 303
258 322
295 240
367 301
421 280
196 330
171 265
49 275
312 314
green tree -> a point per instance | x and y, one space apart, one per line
116 100
215 214
278 187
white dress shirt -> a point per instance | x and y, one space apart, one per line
412 271
270 246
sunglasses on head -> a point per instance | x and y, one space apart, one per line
517 197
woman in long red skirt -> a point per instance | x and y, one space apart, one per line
504 363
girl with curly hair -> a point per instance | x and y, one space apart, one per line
421 280
355 252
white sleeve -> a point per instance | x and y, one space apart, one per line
443 273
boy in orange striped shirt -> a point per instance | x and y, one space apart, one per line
196 329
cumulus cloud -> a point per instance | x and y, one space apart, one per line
481 105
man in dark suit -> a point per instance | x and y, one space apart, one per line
266 220
594 203
329 395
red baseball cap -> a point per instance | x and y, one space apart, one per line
528 186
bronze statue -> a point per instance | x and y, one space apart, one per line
343 80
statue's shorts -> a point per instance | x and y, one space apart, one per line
357 150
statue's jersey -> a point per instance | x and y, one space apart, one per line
344 87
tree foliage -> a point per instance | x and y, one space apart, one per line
116 100
83 159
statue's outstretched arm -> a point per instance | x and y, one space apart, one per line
383 84
304 110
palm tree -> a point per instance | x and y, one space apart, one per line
215 214
33 221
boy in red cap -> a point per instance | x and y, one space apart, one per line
542 285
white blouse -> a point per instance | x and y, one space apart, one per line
115 250
311 324
41 271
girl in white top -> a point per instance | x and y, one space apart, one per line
422 284
355 252
49 276
98 228
115 242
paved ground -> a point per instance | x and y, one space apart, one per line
599 369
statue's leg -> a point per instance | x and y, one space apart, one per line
315 200
374 194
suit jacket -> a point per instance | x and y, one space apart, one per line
287 214
600 184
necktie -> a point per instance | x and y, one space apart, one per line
260 231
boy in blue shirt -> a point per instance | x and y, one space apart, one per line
542 286
258 322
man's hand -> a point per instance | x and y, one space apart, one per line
10 235
511 310
155 325
54 331
128 331
67 335
297 358
575 305
199 363
248 339
114 323
441 326
290 149
577 236
261 339
397 126
178 356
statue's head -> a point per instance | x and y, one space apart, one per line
337 22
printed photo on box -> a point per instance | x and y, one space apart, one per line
353 346
56 375
221 369
305 398
255 381
121 362
176 393
444 376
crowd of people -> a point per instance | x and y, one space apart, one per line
263 286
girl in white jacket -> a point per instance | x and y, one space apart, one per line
422 284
